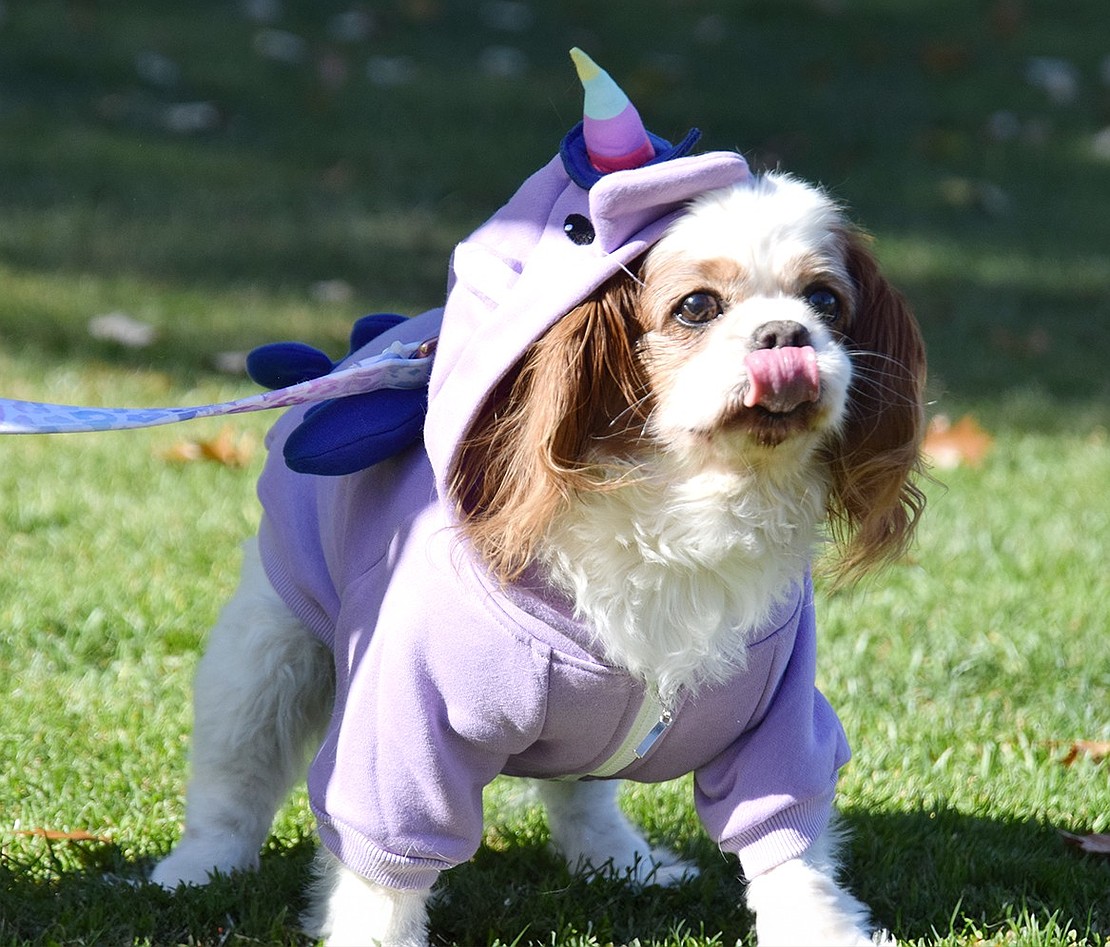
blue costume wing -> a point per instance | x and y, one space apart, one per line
343 435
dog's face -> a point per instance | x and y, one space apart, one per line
757 336
746 305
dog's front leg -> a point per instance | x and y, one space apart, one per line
800 904
349 910
591 833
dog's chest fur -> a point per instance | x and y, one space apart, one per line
678 578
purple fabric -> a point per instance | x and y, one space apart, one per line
518 273
444 679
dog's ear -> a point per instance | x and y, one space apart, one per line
875 502
530 444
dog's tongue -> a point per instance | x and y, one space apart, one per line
780 379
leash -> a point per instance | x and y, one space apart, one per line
399 366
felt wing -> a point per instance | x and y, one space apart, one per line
342 435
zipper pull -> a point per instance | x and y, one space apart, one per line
654 734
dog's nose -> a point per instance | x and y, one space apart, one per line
781 333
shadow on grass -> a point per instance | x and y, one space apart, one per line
104 902
925 874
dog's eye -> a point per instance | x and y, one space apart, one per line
698 309
824 302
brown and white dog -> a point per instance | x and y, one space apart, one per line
669 455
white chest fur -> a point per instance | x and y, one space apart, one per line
678 577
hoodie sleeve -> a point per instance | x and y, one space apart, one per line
429 709
769 795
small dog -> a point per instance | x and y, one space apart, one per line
596 568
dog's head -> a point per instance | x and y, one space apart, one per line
757 335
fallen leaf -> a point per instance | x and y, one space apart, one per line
1095 749
1097 843
225 448
183 452
949 445
55 835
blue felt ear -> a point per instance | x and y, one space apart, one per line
349 434
370 327
281 364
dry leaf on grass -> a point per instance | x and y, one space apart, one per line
1097 843
1095 749
55 835
225 448
949 445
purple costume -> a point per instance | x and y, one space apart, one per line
445 679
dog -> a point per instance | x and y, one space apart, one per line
597 565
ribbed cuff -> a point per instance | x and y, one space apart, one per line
783 836
402 872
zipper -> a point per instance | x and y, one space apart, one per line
654 734
652 720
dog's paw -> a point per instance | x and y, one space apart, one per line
800 905
196 861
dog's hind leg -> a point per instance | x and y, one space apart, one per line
591 833
263 691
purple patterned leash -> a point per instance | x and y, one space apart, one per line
399 366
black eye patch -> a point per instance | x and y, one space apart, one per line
578 229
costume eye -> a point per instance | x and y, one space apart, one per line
824 302
578 229
698 309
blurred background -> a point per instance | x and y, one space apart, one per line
227 172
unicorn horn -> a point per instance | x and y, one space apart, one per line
616 139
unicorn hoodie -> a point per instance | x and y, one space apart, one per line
446 678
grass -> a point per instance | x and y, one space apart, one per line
962 675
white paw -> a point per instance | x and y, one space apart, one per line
195 860
800 905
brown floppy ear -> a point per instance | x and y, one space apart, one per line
875 503
528 448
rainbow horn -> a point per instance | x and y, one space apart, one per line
616 139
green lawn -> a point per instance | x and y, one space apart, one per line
334 182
